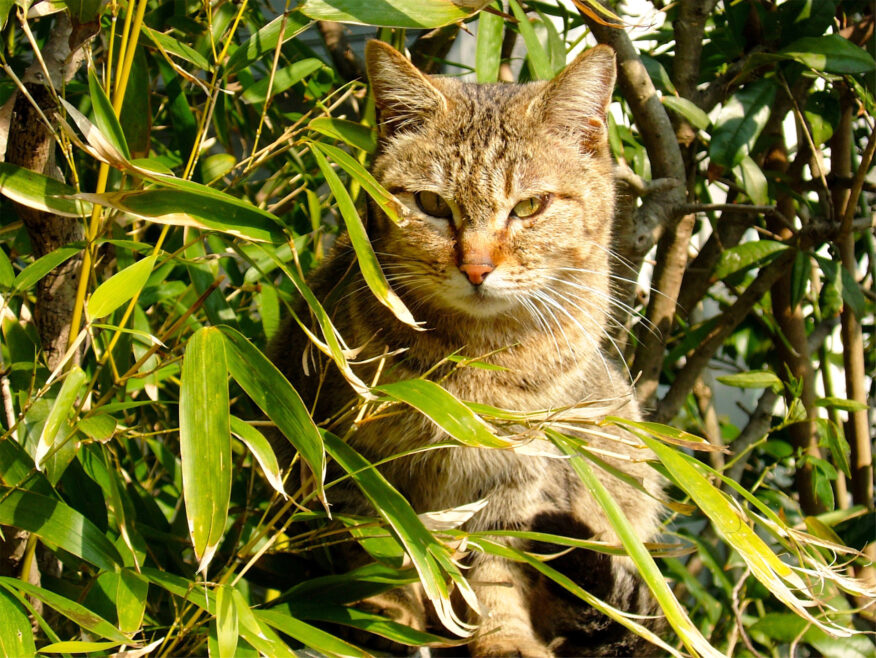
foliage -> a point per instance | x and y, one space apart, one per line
210 152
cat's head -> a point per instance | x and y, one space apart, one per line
507 189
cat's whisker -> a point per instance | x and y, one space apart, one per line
533 309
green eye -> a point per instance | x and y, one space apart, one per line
432 204
530 207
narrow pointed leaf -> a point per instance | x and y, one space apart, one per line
310 636
261 449
16 634
226 621
274 395
40 192
104 116
283 79
178 48
647 568
354 134
368 263
205 441
488 51
31 274
539 60
265 40
74 611
53 429
444 410
399 13
120 288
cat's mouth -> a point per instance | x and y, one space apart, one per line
486 299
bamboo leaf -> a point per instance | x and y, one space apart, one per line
397 13
265 40
647 568
274 395
354 134
78 646
201 208
40 192
178 48
310 636
57 418
368 264
429 557
104 116
31 274
120 288
488 51
131 595
16 634
261 449
345 161
444 410
283 79
74 611
226 621
539 60
205 441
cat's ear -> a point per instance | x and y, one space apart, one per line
404 96
576 101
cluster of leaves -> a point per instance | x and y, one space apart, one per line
208 151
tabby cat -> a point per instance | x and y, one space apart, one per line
503 252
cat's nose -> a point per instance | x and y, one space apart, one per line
476 272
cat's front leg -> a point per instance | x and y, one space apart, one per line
505 626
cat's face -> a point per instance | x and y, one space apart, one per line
507 189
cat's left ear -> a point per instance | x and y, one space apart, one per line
576 101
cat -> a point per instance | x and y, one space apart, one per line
507 198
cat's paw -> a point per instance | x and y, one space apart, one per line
504 646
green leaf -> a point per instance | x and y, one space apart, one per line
226 621
368 264
488 51
688 110
398 13
182 50
752 379
539 60
217 165
752 179
265 40
261 449
195 206
78 646
40 192
104 116
444 410
317 639
74 611
99 427
274 395
56 421
852 294
120 288
131 595
31 274
740 122
16 633
283 79
430 558
822 113
354 134
745 256
384 199
800 274
7 274
831 53
841 403
205 441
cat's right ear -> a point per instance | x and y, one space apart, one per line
403 95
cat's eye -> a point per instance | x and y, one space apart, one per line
530 207
432 204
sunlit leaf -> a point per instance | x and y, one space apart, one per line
354 134
746 255
282 80
539 60
265 40
53 429
40 192
397 13
740 122
120 288
226 621
261 449
205 441
16 634
831 53
488 51
104 116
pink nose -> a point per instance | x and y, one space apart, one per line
476 272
